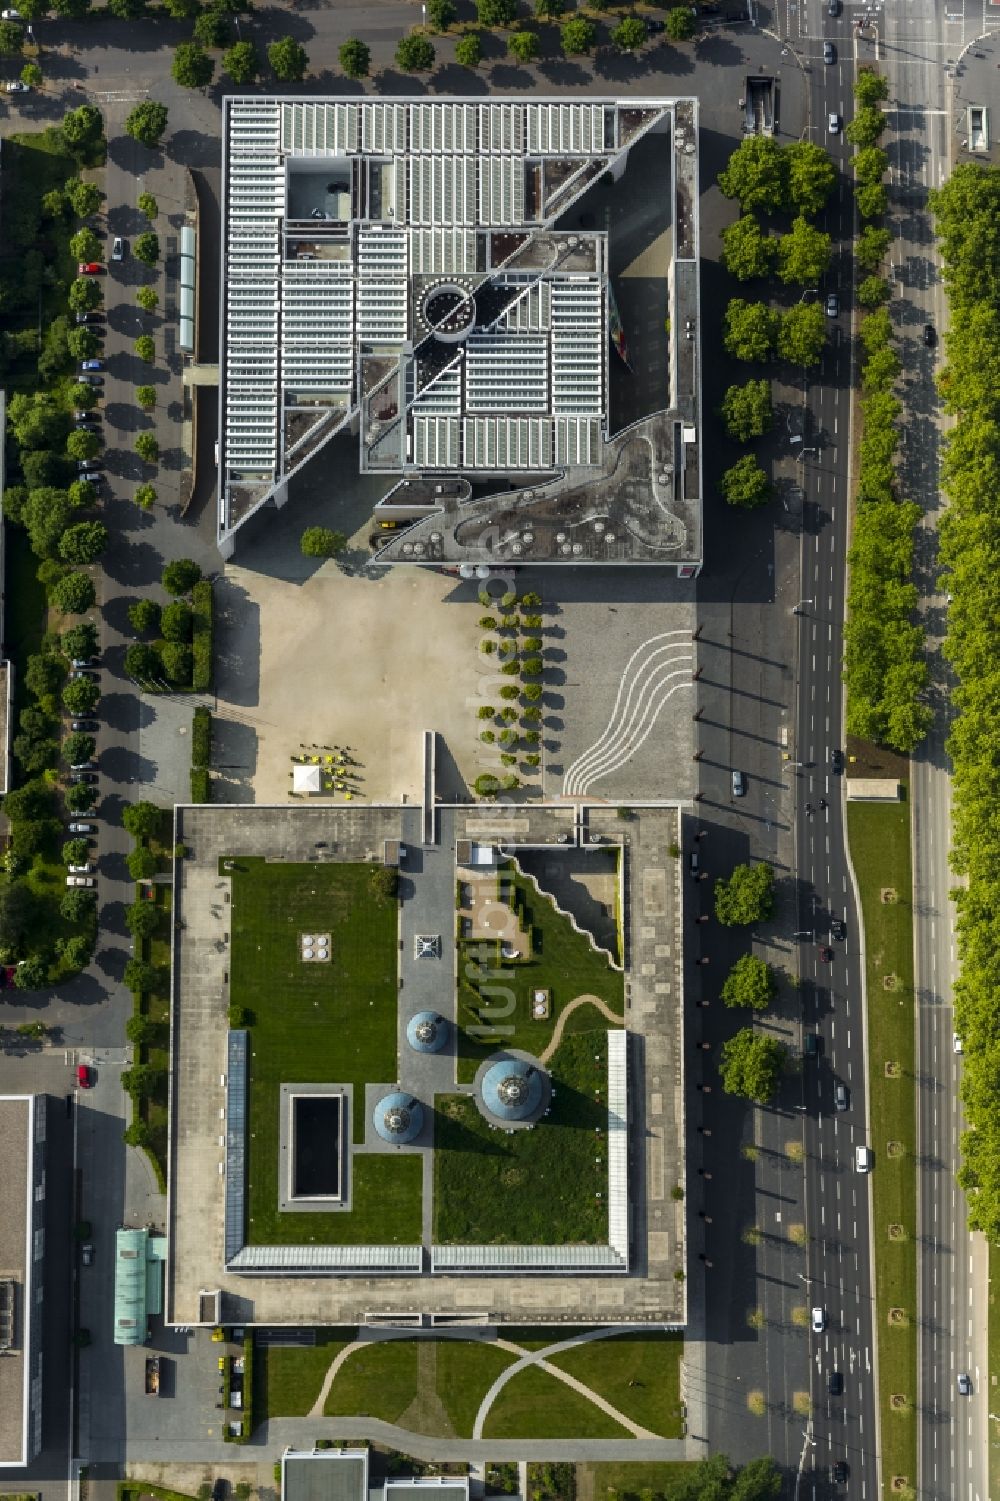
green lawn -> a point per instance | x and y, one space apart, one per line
332 1022
637 1373
379 1381
880 852
535 1187
466 1369
534 1404
287 1378
562 962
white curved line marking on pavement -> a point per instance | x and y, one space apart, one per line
630 679
620 727
627 747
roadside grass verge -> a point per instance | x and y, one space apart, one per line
880 852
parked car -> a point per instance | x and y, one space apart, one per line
10 15
87 466
94 316
84 726
91 380
83 1076
83 661
83 776
89 268
91 364
739 784
833 7
829 52
118 249
80 881
82 828
836 760
17 87
832 306
83 672
811 1044
81 870
957 1045
86 419
87 1253
92 425
930 336
818 1320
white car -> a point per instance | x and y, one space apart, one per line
80 870
10 15
818 1320
80 881
833 124
82 828
957 1044
17 87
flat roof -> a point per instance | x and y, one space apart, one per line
16 1170
407 266
325 1475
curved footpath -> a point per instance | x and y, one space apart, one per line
580 1000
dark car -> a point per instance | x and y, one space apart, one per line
836 761
825 953
833 7
838 928
829 52
811 1044
930 336
83 776
840 1472
88 466
86 419
84 726
835 1384
82 672
91 317
88 424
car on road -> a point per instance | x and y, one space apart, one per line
89 268
83 1076
964 1384
957 1045
91 380
833 123
694 862
91 317
832 305
835 1384
829 52
811 1044
739 784
118 249
838 928
825 953
82 828
836 761
17 87
841 1098
87 1253
91 364
839 1472
833 7
818 1320
930 335
864 1159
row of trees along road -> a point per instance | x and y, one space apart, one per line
967 212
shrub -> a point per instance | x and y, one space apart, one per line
523 45
177 661
144 617
142 662
355 57
469 50
148 206
146 247
147 448
141 863
175 621
322 542
288 59
680 24
145 496
180 576
415 54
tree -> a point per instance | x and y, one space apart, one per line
871 164
147 206
747 251
757 175
577 36
83 445
441 14
80 695
192 68
147 448
321 542
141 919
85 246
84 295
84 197
127 10
34 756
803 254
84 542
80 641
82 343
144 617
145 496
175 621
79 798
141 863
496 12
288 59
873 291
802 334
549 10
355 57
77 905
870 88
871 246
148 121
145 348
745 484
146 397
177 661
11 38
751 1065
385 882
81 493
142 662
31 974
147 299
72 9
212 28
523 45
180 577
78 748
630 33
47 514
469 50
82 128
751 330
74 593
415 54
747 897
241 62
146 247
747 410
872 199
680 23
31 74
866 127
15 913
812 175
143 819
750 982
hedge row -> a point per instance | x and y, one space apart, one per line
201 787
202 636
201 738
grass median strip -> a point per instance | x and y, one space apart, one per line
880 852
